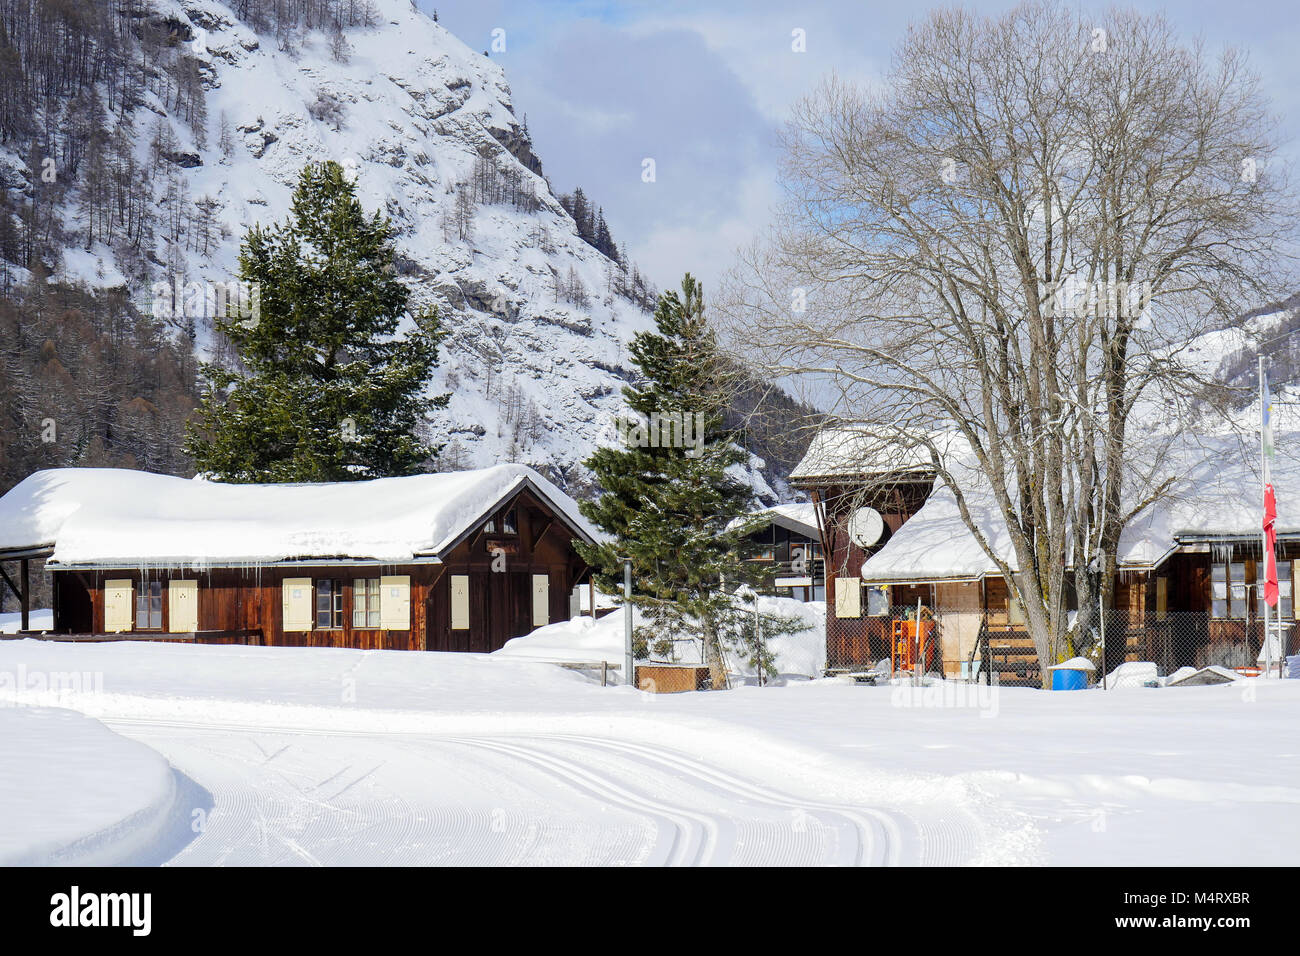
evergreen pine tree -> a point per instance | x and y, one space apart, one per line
581 213
672 506
604 241
327 390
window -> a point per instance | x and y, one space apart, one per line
877 601
148 606
1228 590
365 602
329 603
509 523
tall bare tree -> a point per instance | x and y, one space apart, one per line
1000 256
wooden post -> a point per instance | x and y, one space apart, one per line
24 580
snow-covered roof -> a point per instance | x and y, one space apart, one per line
1216 494
797 516
840 451
109 516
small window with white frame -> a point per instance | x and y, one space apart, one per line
365 602
1228 590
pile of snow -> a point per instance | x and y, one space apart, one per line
38 620
106 515
75 793
580 640
585 640
1074 664
1132 674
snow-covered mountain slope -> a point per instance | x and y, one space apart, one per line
532 377
534 368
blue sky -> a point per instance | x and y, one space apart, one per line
701 87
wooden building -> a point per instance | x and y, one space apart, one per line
1188 592
459 561
847 474
789 541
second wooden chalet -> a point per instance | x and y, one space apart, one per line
460 561
1188 592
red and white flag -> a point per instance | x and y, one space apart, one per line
1270 547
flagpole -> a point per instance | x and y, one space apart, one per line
1261 595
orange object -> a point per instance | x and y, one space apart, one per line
906 646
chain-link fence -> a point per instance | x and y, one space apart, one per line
973 643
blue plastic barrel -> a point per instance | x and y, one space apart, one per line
1069 680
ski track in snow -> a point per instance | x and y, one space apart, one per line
304 797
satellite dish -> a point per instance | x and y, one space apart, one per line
865 527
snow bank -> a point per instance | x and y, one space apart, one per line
582 639
39 620
1108 779
73 793
109 515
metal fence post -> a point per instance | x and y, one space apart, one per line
1101 610
627 622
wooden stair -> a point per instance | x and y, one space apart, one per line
1008 652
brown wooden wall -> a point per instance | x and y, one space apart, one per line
239 599
861 641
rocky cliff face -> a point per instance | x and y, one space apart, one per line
536 354
218 129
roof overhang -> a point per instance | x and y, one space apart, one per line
920 582
792 524
901 476
1209 537
214 565
21 554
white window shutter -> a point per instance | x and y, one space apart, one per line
848 597
118 608
295 596
460 602
182 606
541 600
395 602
